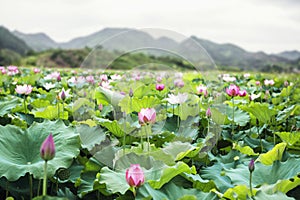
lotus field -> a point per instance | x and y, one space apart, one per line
88 134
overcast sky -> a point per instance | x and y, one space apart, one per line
268 25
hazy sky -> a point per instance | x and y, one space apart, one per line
268 25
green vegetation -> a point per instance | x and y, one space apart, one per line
11 42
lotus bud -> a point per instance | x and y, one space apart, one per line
251 166
100 107
135 176
208 112
47 150
130 92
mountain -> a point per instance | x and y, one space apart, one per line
232 55
121 42
37 41
291 55
10 42
132 40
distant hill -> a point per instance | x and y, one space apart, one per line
291 55
11 42
222 54
232 55
37 41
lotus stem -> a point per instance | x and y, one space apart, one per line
25 107
58 111
147 135
178 116
232 125
124 137
63 110
250 183
45 180
208 123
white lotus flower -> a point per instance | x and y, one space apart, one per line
177 99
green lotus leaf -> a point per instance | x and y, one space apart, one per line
115 181
277 195
261 111
106 97
240 117
214 173
86 183
199 183
20 150
116 128
49 198
40 103
51 112
185 110
135 104
289 137
218 116
244 149
284 114
178 150
170 172
7 104
90 136
240 192
272 155
172 191
275 175
145 161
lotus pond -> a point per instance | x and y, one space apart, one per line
148 135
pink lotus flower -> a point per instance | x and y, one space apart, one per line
159 79
24 89
90 79
179 83
36 70
53 75
242 93
103 77
233 90
257 83
147 116
137 77
160 87
47 150
105 84
3 70
135 176
201 89
12 70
